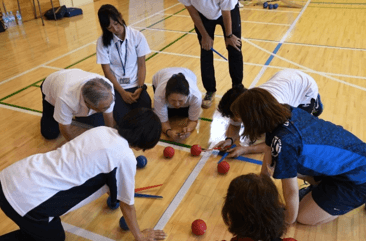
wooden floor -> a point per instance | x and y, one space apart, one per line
325 39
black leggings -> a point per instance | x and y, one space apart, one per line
30 228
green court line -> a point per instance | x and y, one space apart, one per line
80 60
206 119
338 3
20 107
356 8
175 143
163 19
21 90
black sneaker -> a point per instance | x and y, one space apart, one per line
305 190
207 101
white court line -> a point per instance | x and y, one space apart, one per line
243 21
51 67
20 110
272 10
84 233
261 72
182 191
70 52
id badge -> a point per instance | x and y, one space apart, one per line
124 80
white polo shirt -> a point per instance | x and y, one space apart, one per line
290 86
127 52
211 9
62 89
161 105
81 170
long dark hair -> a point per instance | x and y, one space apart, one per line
141 127
260 112
177 84
105 13
227 99
253 208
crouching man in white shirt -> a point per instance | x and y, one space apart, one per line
36 191
75 93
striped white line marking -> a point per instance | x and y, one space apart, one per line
261 72
20 110
182 191
84 233
51 67
273 10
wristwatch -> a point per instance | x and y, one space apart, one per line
229 36
143 87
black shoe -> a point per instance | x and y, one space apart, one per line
305 190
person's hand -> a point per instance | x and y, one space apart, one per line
136 94
233 41
152 235
206 42
127 97
186 132
237 151
222 145
173 134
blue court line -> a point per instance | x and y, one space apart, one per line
245 159
274 52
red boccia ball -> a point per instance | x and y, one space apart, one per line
199 227
169 152
223 167
196 150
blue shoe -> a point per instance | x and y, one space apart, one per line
305 190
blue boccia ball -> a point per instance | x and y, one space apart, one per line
110 204
275 6
265 5
141 161
123 224
270 6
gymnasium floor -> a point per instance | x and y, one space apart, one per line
324 39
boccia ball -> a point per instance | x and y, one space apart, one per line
265 5
109 203
141 161
223 167
275 6
270 6
169 152
196 150
199 227
123 224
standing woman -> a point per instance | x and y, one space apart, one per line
176 93
121 52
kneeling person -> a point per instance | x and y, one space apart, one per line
176 93
37 190
74 92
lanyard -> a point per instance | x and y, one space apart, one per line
119 54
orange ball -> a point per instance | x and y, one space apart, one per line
169 152
196 150
199 227
223 167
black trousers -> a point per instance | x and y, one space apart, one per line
121 108
30 229
235 57
49 126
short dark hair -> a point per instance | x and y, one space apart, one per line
227 99
141 127
260 112
177 84
96 90
105 13
253 208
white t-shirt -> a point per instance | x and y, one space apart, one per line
134 46
161 105
211 9
80 170
290 86
62 89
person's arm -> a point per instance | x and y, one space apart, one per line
187 131
231 132
141 75
126 96
232 40
207 41
129 213
267 160
68 133
241 150
167 130
108 119
291 195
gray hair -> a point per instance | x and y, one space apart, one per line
96 90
